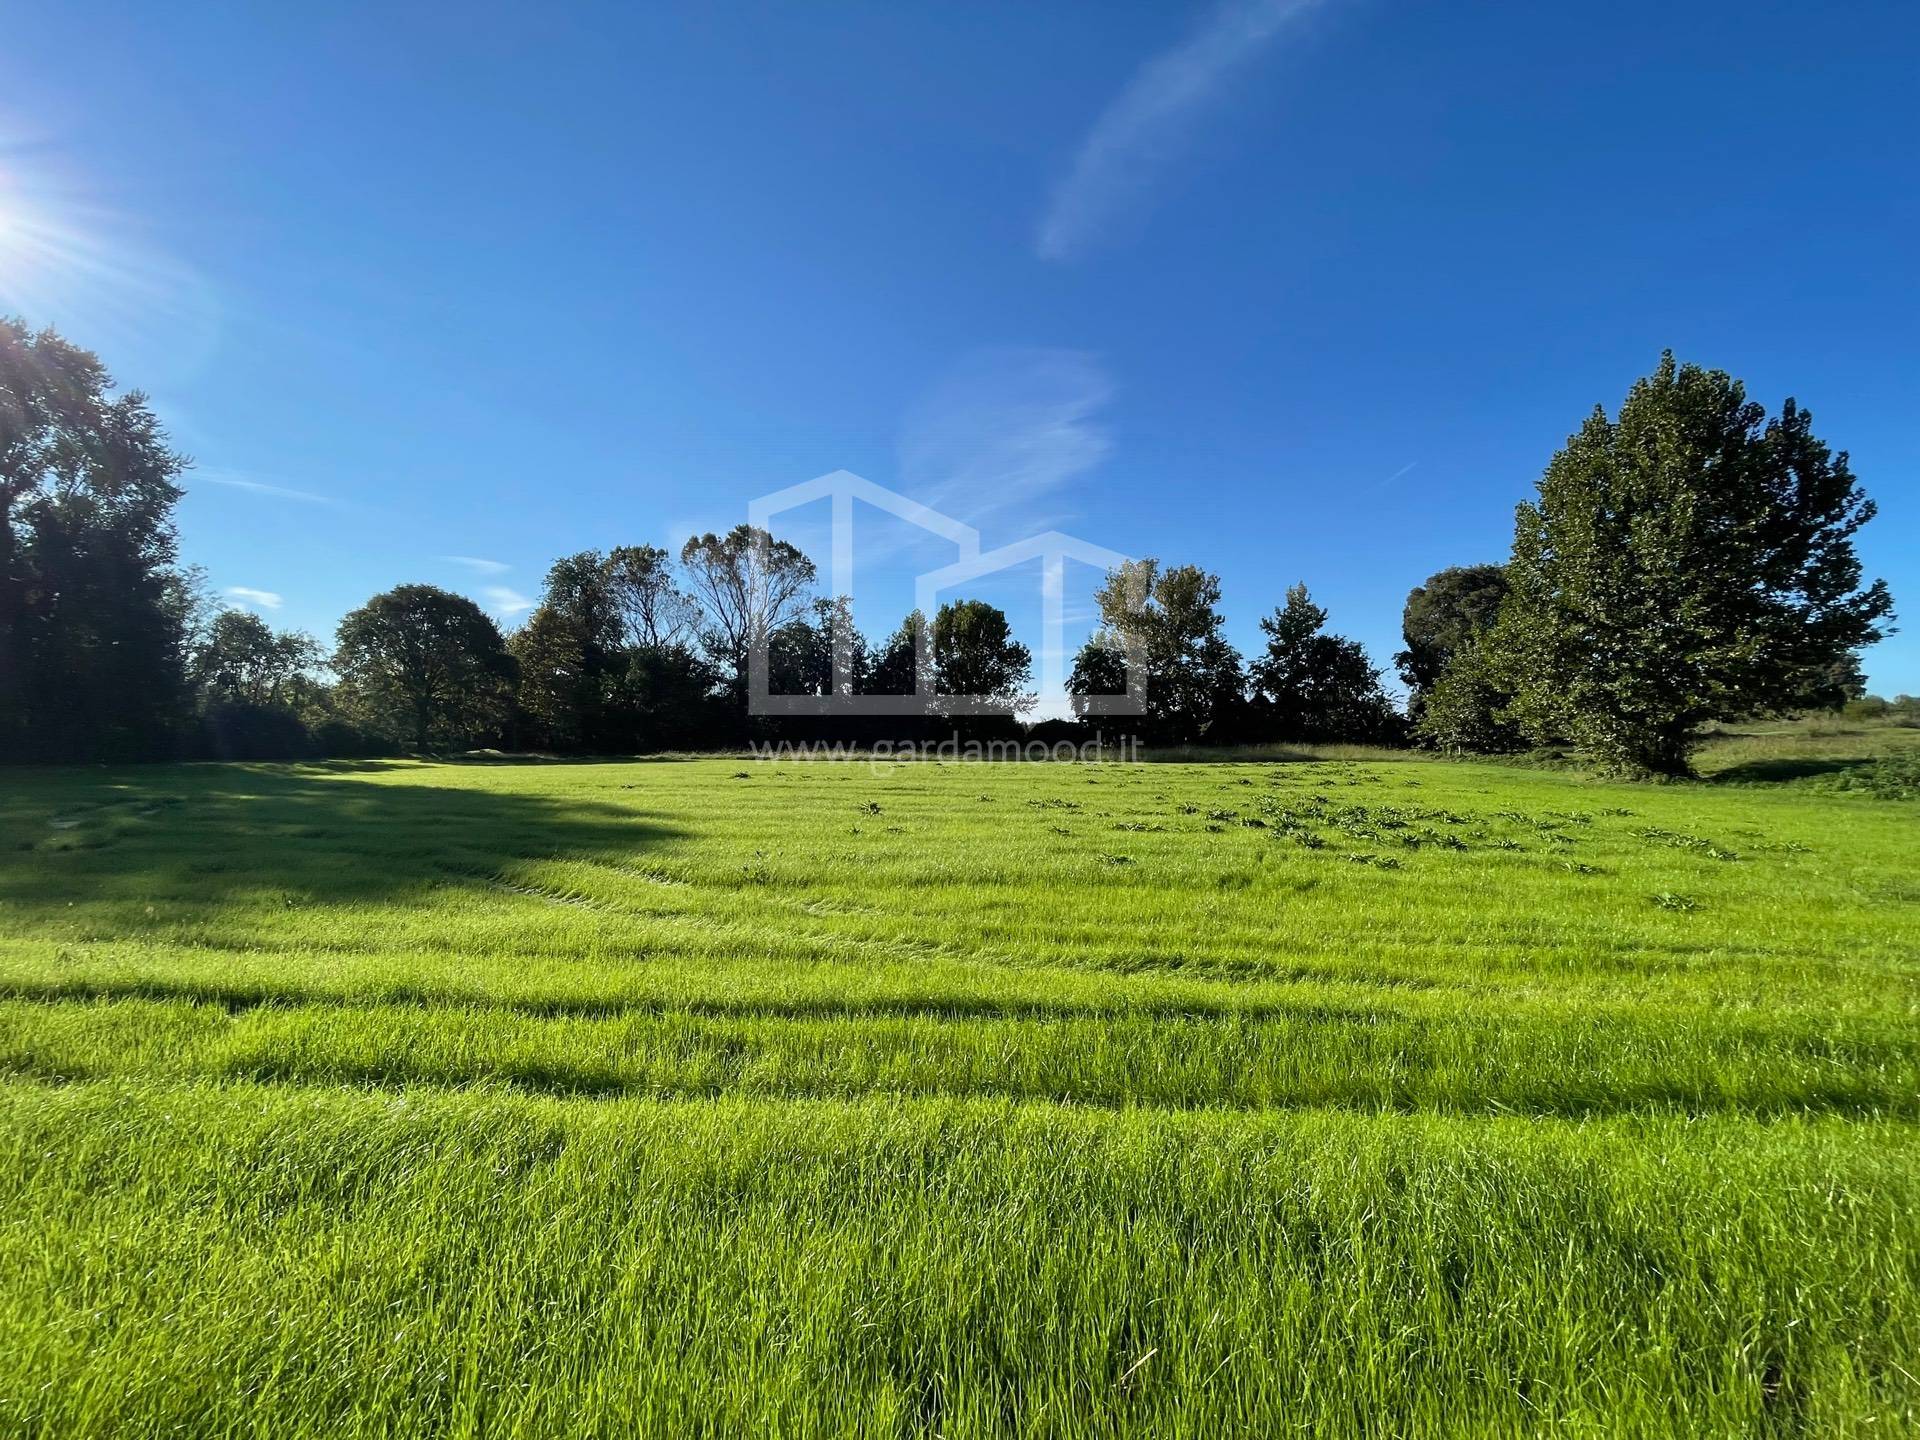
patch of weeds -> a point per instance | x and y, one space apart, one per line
1669 900
1891 777
1116 860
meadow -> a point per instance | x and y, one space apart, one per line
1335 1096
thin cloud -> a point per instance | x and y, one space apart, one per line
1006 428
1139 136
261 487
478 565
250 598
506 600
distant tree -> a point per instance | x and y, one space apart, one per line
1169 621
422 662
748 585
894 667
561 700
654 612
93 613
1686 562
1100 668
243 660
801 655
1316 686
1450 611
669 696
975 654
572 657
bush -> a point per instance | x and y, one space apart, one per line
1463 711
1891 777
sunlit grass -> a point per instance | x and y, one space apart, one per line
725 1097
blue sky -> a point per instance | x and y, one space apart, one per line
1290 290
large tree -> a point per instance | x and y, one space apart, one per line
92 610
427 664
1690 560
1315 686
748 585
1167 620
975 655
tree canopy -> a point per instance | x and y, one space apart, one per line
1687 561
428 661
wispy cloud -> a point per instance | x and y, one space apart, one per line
1139 136
249 598
1005 428
478 565
259 487
506 600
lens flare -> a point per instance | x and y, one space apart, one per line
77 267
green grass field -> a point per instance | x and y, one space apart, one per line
722 1097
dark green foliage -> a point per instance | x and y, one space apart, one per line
802 652
424 664
243 661
975 654
1465 711
1689 561
1451 611
92 612
1889 777
1318 687
1167 621
895 666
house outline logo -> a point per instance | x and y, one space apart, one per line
1052 548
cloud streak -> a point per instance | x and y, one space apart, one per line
250 598
1141 134
1005 428
261 487
506 600
478 565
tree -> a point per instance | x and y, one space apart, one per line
243 661
1169 622
1316 686
558 694
420 661
1451 610
1686 562
1099 669
653 610
975 654
802 651
93 613
749 585
572 657
1466 709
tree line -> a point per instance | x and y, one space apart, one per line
1688 559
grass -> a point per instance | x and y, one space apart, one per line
1340 1097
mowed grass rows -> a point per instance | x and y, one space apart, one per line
800 1098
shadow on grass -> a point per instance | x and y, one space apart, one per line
1771 772
326 833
